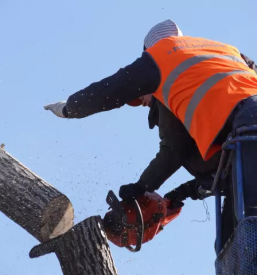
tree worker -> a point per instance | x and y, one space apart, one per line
210 87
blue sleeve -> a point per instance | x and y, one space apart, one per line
137 79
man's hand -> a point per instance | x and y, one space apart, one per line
57 108
184 191
176 204
176 195
131 191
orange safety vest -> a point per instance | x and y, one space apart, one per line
202 81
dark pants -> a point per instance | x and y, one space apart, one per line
245 115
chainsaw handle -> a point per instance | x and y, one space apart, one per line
140 233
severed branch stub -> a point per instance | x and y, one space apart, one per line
31 202
83 250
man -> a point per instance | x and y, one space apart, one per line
205 84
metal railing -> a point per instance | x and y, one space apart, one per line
239 254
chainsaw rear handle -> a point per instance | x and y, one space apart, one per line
140 227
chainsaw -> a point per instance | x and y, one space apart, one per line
137 222
128 224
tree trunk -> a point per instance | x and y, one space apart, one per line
83 250
31 202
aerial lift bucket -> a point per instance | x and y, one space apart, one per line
239 254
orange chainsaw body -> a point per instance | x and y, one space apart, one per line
123 229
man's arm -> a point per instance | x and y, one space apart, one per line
163 166
196 189
137 79
175 146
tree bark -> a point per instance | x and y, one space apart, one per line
83 250
31 202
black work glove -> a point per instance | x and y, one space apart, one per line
184 191
131 191
175 204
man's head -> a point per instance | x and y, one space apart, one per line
160 31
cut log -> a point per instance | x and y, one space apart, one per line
83 250
31 202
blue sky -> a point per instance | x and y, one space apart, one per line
51 49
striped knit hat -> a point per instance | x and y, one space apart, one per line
161 30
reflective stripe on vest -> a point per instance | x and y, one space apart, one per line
203 89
